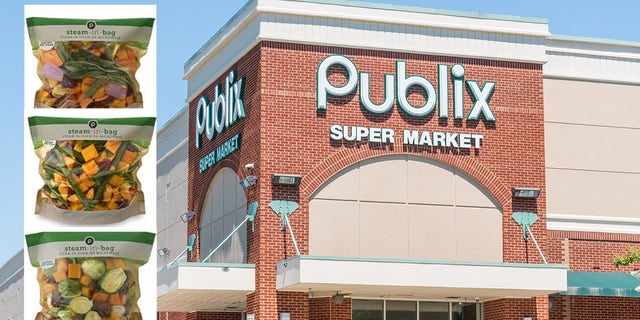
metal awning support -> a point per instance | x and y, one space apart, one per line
285 208
189 248
537 246
526 219
253 211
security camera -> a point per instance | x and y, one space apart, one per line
249 166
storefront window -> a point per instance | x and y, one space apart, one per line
367 310
413 310
224 209
434 310
456 312
401 310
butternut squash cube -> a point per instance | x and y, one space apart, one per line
116 180
129 156
85 280
74 271
90 168
61 265
123 166
60 276
87 292
77 147
59 177
100 296
108 192
89 153
112 145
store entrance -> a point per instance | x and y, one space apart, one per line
362 309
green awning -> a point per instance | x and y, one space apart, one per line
603 284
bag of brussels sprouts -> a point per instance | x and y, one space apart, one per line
89 63
89 275
89 167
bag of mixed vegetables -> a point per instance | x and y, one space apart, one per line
89 275
85 63
89 167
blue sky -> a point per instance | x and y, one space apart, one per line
183 26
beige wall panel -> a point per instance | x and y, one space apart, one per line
471 194
429 183
584 102
377 221
479 234
384 180
343 185
334 228
593 193
432 232
384 230
592 147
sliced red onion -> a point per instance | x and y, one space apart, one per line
51 71
115 90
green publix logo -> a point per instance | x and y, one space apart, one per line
213 118
396 88
227 107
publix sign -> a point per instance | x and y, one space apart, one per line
214 117
396 89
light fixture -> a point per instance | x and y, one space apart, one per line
185 217
248 181
286 179
525 193
163 252
285 316
337 298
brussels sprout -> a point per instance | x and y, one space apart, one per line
92 315
65 315
94 268
113 280
80 305
69 288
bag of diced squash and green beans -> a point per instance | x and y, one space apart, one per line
89 275
89 63
89 167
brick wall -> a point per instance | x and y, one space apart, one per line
325 309
594 308
591 251
214 316
172 316
509 309
284 133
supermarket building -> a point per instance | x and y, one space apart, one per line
343 160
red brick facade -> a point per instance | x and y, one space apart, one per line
283 132
594 308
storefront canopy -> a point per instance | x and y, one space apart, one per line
190 286
604 284
415 279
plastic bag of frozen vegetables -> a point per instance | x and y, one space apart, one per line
89 63
89 167
89 275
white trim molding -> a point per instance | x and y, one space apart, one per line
593 60
190 286
398 29
570 222
416 279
